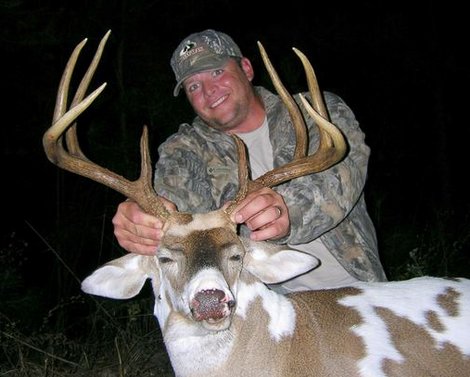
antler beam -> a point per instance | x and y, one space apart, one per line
332 146
73 159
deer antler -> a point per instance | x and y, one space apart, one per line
73 159
331 149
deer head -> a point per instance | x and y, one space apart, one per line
194 243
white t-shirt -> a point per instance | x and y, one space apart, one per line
260 150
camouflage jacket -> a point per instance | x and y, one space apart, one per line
197 170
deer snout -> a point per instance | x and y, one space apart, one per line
211 305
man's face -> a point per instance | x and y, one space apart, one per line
222 97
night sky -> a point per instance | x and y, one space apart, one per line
402 70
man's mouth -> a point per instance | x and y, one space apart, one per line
218 102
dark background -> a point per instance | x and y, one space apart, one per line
401 66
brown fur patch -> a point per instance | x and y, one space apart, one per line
422 355
317 331
253 335
448 302
434 322
313 348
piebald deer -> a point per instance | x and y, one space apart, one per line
216 314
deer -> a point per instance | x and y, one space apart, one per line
213 303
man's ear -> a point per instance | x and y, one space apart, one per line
247 68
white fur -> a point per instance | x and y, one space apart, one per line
411 300
193 350
279 309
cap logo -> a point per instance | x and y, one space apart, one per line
188 46
189 49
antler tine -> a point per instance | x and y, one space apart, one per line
332 144
314 89
332 140
331 136
71 134
141 190
331 149
243 179
294 112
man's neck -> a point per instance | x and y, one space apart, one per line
254 120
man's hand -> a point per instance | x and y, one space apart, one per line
137 231
265 213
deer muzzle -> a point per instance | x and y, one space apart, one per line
212 306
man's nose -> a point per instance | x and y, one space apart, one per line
209 87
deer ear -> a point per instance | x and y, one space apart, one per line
275 263
121 278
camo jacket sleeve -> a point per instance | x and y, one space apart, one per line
319 202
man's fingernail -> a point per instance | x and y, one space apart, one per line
238 218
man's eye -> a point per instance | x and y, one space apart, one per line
217 72
191 88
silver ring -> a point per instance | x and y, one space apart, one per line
279 211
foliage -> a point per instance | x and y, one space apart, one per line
117 339
80 335
436 248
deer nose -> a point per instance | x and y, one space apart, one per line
211 304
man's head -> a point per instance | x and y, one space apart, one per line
203 51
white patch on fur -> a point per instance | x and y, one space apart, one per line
281 312
161 307
411 300
201 221
194 351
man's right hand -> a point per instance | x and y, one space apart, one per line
137 231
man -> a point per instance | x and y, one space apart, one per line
323 214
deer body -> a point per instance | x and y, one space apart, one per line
218 318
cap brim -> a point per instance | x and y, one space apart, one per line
201 66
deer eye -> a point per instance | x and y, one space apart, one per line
164 260
236 258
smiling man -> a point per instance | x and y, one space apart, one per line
323 214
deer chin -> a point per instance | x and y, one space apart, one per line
217 325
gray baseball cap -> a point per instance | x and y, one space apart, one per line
203 51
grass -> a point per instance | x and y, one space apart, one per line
48 327
116 339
